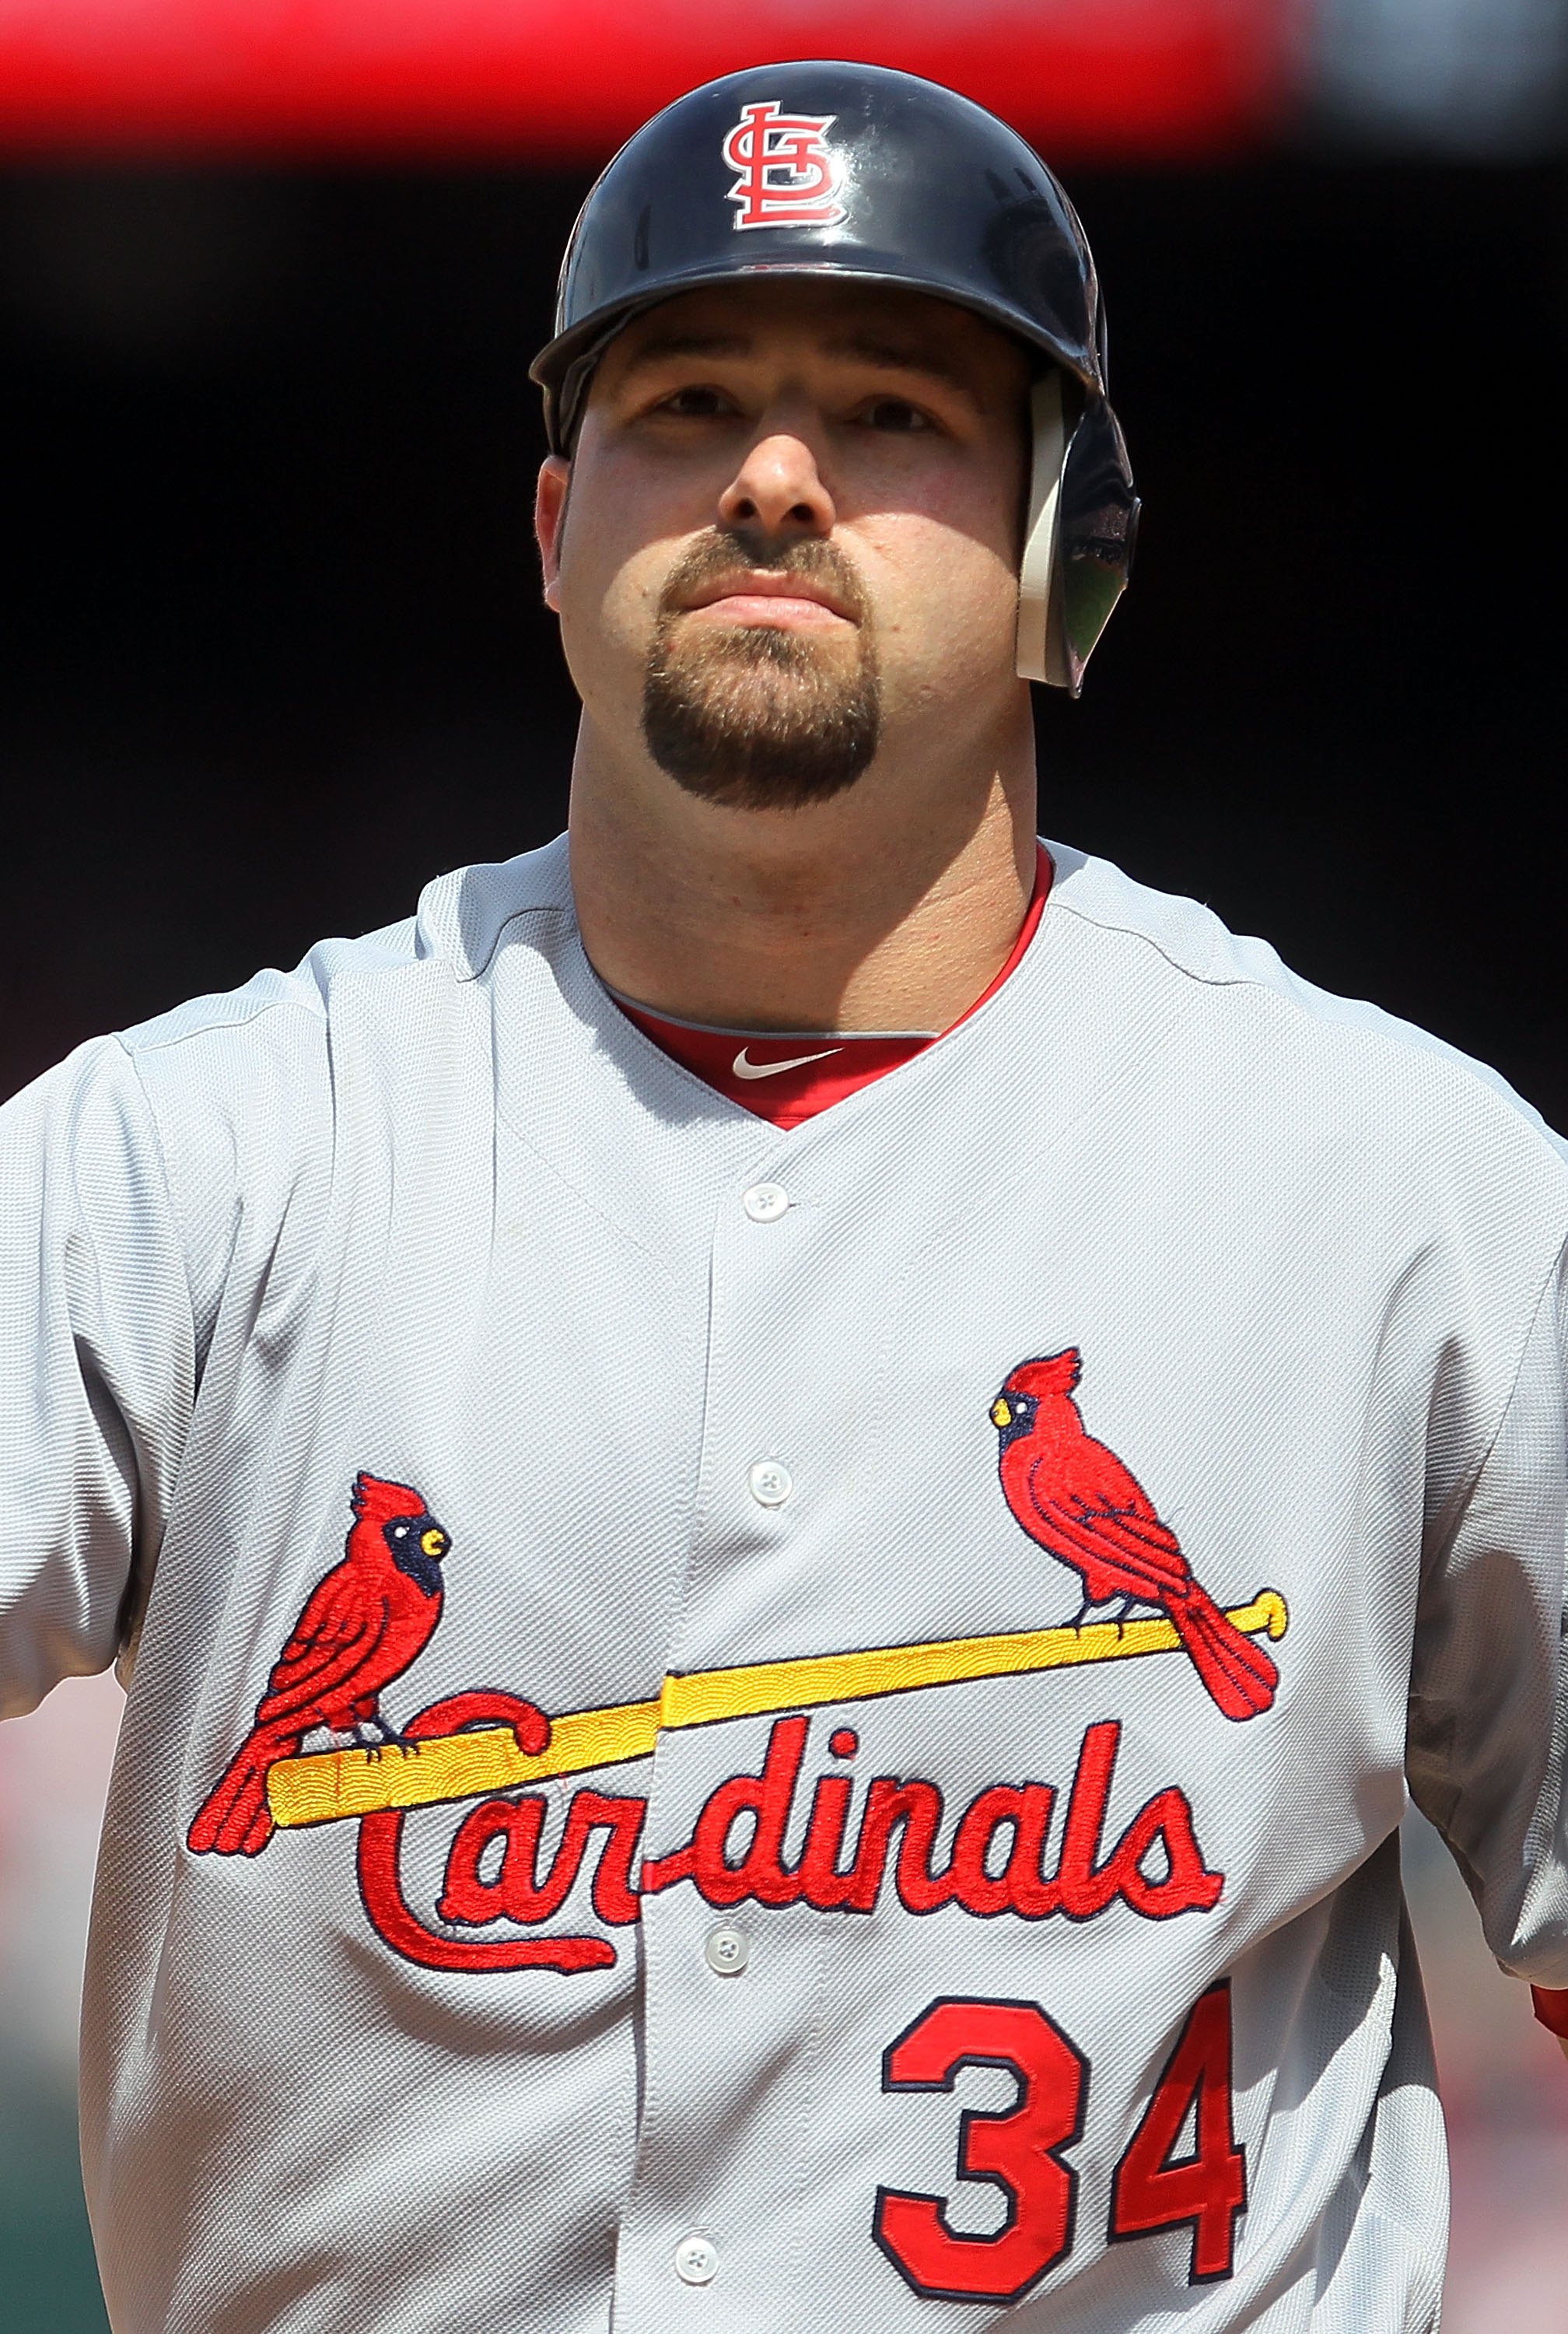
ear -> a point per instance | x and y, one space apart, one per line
549 512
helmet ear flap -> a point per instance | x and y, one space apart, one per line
1079 545
1097 533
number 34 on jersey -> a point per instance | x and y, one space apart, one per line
1181 2169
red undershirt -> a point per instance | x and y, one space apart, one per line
790 1077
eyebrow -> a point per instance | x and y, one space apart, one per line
665 345
866 348
898 356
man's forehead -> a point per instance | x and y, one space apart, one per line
882 325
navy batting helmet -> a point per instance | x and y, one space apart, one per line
851 171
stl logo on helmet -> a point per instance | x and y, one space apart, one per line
785 174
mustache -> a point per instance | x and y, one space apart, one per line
721 550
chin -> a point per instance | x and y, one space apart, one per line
762 716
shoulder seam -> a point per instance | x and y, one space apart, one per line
314 1008
1137 932
263 1006
1358 1020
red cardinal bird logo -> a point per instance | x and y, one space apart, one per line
362 1625
1076 1499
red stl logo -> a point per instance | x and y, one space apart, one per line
785 175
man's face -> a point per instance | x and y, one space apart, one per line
796 511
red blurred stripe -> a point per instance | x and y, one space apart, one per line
567 79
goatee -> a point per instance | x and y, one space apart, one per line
752 716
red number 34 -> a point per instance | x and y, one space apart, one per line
1020 2149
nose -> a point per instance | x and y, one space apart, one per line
778 488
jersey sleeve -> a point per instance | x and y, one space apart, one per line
1489 1698
97 1366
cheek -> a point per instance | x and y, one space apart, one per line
610 587
944 593
622 532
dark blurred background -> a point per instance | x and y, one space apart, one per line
274 653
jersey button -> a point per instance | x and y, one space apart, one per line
764 1203
728 1950
771 1483
695 2261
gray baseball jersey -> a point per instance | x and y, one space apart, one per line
753 1731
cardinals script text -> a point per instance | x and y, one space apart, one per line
1027 1850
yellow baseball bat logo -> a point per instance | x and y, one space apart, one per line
325 1787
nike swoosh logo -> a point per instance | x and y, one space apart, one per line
744 1069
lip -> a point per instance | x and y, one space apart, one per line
750 596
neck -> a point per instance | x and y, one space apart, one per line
891 907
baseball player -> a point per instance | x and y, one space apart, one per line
790 1493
